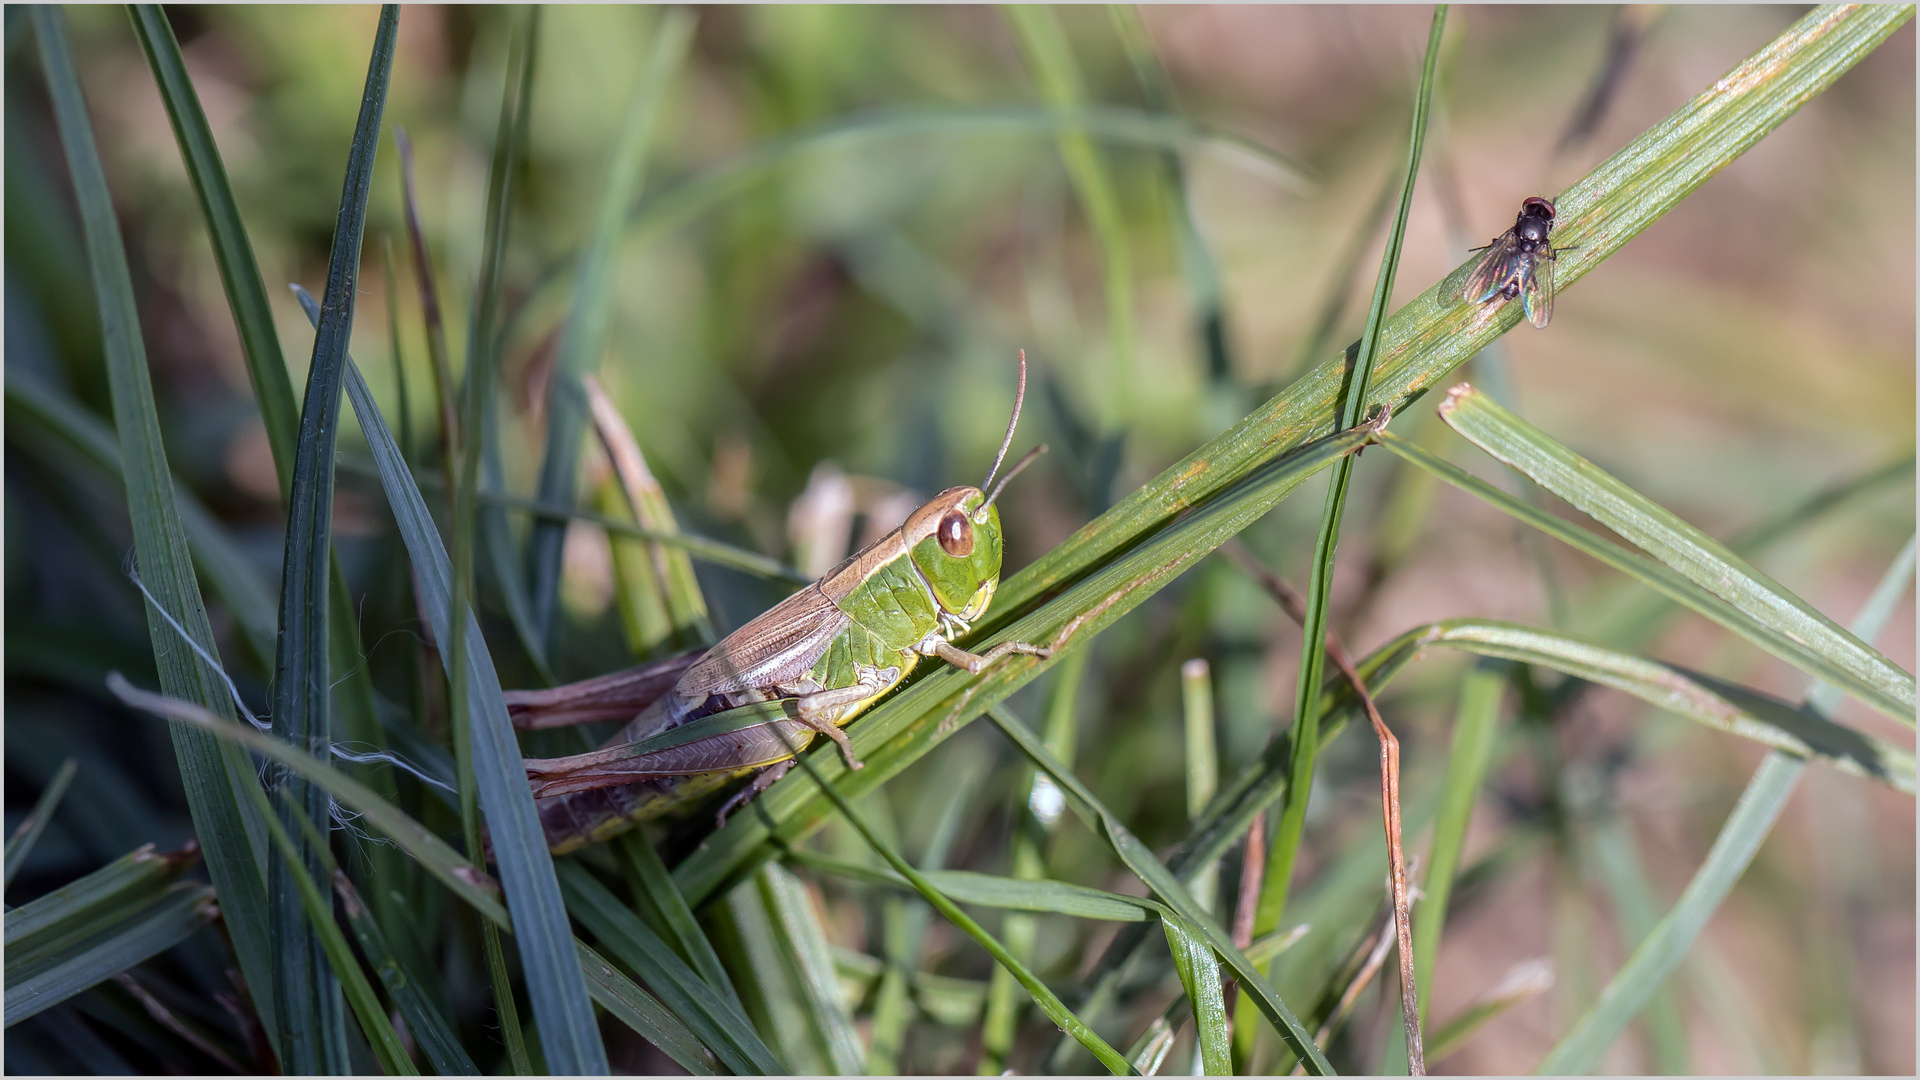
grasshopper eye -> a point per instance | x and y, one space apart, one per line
956 535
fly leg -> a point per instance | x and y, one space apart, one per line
977 663
762 780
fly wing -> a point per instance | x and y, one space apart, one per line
1493 270
1537 293
778 647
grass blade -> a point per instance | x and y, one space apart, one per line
1752 819
214 777
585 334
1049 1003
152 930
1278 877
991 891
719 1024
797 926
86 906
1476 723
1778 621
665 910
430 1030
519 846
20 844
359 992
1167 885
1200 978
634 1008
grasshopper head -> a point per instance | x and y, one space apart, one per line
954 540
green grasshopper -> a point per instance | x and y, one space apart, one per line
806 666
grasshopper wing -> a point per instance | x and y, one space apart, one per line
616 696
780 646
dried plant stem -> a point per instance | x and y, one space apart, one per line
1295 606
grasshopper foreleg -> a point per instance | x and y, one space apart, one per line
975 663
814 709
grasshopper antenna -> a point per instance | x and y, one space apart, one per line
1019 396
1018 468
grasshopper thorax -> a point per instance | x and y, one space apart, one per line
954 541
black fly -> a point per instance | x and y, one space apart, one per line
1519 262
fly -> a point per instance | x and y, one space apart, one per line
1519 263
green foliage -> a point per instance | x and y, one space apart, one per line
740 244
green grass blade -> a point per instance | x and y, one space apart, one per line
20 844
186 908
1778 621
992 891
1203 762
1049 1003
232 251
902 729
1476 722
1752 819
584 337
448 866
1063 89
804 940
307 997
719 1024
359 992
659 902
1285 845
1437 331
435 1037
214 778
1139 859
1200 978
633 1007
90 903
560 1004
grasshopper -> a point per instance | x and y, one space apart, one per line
806 666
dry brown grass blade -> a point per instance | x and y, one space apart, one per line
1295 606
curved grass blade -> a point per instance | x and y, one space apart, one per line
803 942
1671 582
1278 877
469 884
1740 838
1778 621
215 778
1200 978
715 1021
20 844
584 336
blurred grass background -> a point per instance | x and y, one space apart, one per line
860 301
